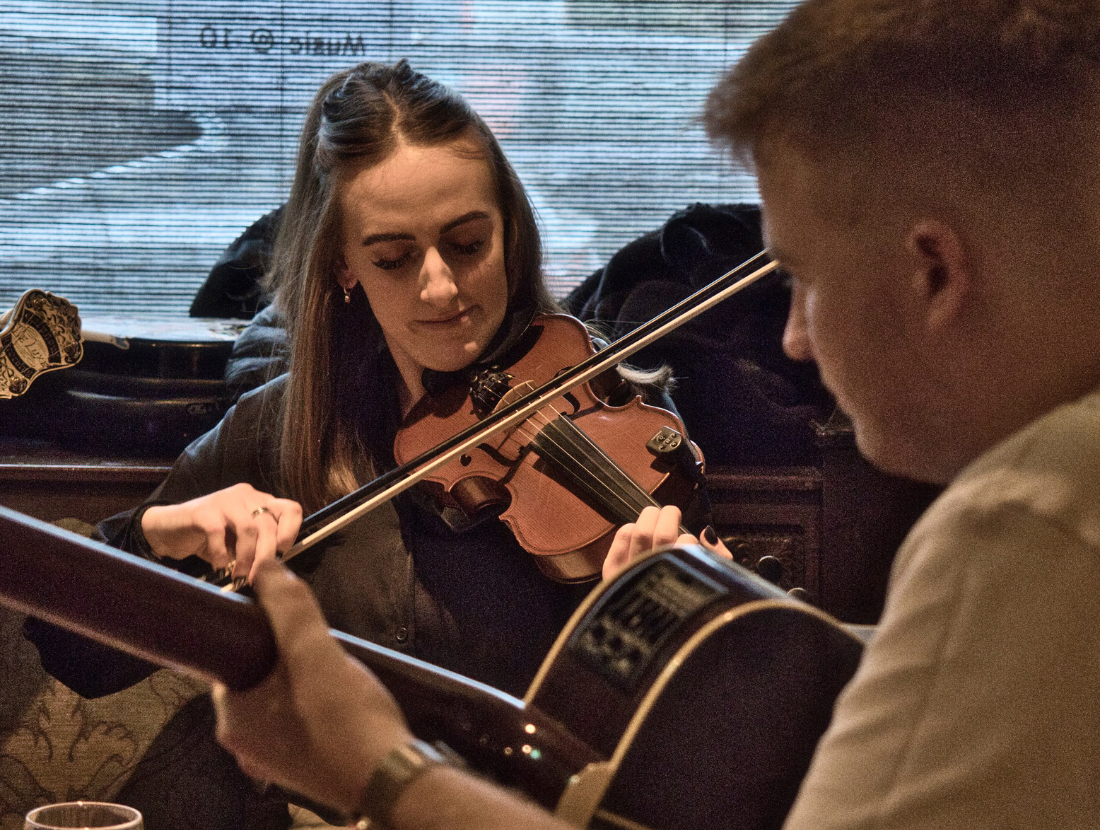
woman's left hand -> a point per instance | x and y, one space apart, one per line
655 527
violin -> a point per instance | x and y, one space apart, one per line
510 413
576 458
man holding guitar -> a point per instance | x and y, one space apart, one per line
930 176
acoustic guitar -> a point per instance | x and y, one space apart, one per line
686 694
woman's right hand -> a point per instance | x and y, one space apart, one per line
232 529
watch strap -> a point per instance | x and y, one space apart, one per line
399 768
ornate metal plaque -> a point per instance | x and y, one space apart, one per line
41 334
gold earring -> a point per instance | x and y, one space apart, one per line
347 296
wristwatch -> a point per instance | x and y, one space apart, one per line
399 768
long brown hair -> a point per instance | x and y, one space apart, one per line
356 120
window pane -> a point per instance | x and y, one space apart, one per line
143 136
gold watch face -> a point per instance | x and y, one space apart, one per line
41 334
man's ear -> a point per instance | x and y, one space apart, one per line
942 276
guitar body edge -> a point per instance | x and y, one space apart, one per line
716 727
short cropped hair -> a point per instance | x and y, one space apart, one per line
837 72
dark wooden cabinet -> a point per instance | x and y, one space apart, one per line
829 531
50 483
771 520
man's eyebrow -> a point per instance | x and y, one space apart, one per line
454 223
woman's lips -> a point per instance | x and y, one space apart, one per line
461 316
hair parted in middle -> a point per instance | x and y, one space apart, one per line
358 118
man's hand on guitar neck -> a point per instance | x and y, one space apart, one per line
321 722
655 527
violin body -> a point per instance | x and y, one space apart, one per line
565 478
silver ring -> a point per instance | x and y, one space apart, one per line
259 511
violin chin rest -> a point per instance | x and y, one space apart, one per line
477 494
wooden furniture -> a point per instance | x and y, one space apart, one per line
828 532
49 483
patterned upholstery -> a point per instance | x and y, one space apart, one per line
57 746
143 746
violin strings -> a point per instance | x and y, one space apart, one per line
582 460
611 495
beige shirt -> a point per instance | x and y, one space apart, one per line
977 704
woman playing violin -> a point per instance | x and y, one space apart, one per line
407 251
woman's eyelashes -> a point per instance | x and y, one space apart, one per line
459 248
466 248
387 263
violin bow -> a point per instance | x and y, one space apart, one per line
346 510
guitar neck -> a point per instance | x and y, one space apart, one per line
172 620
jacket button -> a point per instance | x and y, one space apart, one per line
402 634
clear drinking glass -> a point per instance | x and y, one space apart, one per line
83 815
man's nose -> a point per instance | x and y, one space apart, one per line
796 338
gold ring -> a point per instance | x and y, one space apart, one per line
259 511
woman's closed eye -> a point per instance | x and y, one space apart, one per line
392 260
470 239
465 242
466 248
